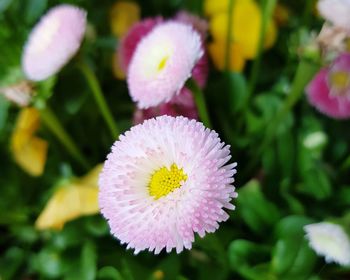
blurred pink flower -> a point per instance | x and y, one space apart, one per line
170 109
53 41
336 11
183 101
164 181
199 24
329 91
163 61
129 42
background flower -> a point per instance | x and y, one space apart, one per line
29 151
160 65
329 91
246 26
53 41
329 240
71 200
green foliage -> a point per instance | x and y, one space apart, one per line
295 177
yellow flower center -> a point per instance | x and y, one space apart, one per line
340 79
162 63
164 181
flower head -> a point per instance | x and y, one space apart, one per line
329 240
336 11
53 41
161 64
129 42
165 180
329 91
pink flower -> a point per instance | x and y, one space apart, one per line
329 91
170 109
164 181
199 24
161 64
129 42
336 11
53 41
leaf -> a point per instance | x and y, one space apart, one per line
109 273
88 262
257 212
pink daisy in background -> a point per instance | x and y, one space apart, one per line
164 181
329 91
128 43
161 64
336 12
53 41
170 109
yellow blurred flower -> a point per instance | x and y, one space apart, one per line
72 200
28 150
217 51
246 26
123 15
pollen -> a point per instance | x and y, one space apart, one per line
340 79
162 63
165 181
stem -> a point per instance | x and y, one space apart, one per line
53 124
229 36
200 102
99 98
268 7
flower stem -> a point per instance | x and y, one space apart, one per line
99 98
229 36
200 102
53 124
268 7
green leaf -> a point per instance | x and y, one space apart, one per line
88 261
109 273
237 89
247 259
257 212
34 9
291 248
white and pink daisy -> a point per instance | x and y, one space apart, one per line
329 91
164 181
336 12
162 62
329 240
53 41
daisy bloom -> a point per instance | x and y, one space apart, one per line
129 42
161 64
329 91
164 181
53 41
329 240
336 11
